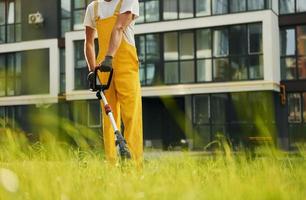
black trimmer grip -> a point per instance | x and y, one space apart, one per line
98 86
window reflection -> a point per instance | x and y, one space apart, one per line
220 6
301 5
294 108
170 9
287 6
186 9
171 46
186 45
255 38
302 67
187 72
204 68
171 72
221 43
301 39
288 68
152 10
202 8
256 4
287 42
237 5
203 41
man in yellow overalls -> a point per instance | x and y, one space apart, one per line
114 22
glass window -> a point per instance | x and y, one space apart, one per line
237 5
239 70
218 108
2 12
186 9
18 11
201 109
238 40
287 6
152 10
171 72
150 73
65 26
170 9
78 19
287 42
255 38
204 70
301 40
256 67
220 6
141 18
221 69
202 8
11 13
79 4
94 114
142 74
300 5
186 45
170 46
2 34
141 47
288 68
65 8
294 108
10 36
220 42
302 67
81 70
152 47
203 43
187 71
256 4
35 63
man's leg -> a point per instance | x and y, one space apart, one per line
129 96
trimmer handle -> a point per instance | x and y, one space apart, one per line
98 86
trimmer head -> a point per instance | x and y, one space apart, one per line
121 144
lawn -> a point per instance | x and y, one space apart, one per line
55 170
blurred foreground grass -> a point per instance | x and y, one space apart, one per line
53 170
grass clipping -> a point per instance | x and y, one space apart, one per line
52 170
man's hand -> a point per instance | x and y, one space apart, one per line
91 79
107 64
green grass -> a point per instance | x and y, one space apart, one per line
53 170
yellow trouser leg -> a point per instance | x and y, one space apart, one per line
108 132
128 94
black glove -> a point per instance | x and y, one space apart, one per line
91 79
107 64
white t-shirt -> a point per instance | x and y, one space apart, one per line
106 9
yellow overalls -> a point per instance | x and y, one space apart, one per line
124 94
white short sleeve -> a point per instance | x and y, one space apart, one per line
130 5
89 16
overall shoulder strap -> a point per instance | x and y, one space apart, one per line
117 10
96 10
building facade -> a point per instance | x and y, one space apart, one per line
207 67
